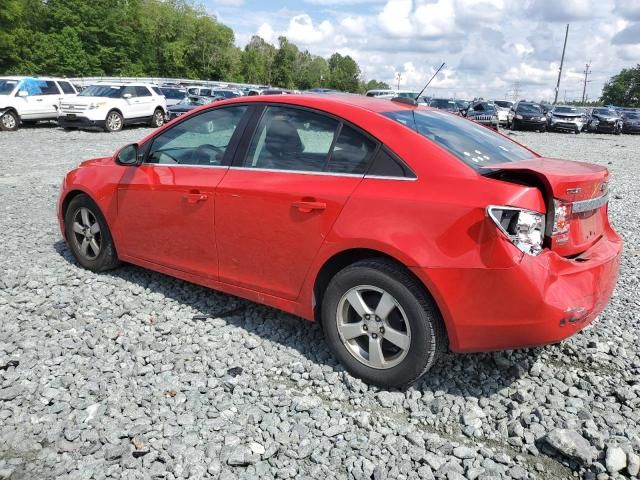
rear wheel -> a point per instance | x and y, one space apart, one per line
114 122
9 121
513 124
380 324
158 118
88 235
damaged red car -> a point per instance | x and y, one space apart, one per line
404 230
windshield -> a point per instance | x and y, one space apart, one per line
503 103
173 94
193 101
7 86
529 108
475 145
407 94
444 104
605 111
484 107
110 91
565 110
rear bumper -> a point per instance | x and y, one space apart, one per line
65 121
537 301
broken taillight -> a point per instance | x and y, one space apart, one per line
561 220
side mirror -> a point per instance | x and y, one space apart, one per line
128 155
23 93
126 96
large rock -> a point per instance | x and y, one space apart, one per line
572 445
615 460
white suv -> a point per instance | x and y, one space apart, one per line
111 106
28 99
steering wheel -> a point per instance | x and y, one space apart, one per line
202 155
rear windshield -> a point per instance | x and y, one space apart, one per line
474 144
443 104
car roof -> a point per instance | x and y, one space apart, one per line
329 102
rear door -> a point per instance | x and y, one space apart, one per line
277 204
146 101
166 205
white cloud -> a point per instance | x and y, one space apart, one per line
353 25
267 33
302 30
394 18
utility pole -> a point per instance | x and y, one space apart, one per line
587 72
399 77
515 91
566 34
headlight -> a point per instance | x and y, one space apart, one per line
518 117
524 228
94 105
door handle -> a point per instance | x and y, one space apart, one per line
308 206
38 99
194 198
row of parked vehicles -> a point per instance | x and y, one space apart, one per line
113 105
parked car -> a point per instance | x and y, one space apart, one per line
604 120
326 208
630 121
503 107
386 92
111 106
566 118
189 103
200 91
322 90
173 95
527 115
446 104
484 113
26 100
226 93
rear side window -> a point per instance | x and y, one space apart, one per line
129 90
351 153
385 164
291 139
142 91
66 88
48 88
475 145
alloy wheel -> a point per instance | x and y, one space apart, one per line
8 121
373 327
114 122
159 118
86 232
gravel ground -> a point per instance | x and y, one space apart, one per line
111 376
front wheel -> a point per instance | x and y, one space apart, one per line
9 121
157 120
380 323
88 235
114 122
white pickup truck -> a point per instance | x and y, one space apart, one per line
111 106
30 99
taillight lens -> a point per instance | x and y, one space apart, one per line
561 217
524 228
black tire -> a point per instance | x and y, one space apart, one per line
543 129
577 131
113 121
9 121
514 126
157 120
427 333
106 258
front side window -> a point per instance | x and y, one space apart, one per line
475 145
200 140
291 139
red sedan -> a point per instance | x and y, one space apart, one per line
402 229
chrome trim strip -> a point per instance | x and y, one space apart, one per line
182 165
588 205
382 177
299 172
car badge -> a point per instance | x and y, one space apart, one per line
573 191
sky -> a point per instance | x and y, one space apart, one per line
492 48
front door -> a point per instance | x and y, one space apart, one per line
274 210
166 205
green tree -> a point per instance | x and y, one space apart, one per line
284 64
623 89
375 85
344 73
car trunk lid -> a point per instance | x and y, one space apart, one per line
576 195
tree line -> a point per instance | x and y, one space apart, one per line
155 38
